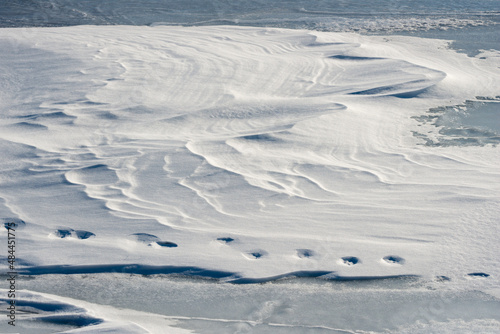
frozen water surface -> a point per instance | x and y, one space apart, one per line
472 123
334 15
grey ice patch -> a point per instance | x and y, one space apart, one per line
473 123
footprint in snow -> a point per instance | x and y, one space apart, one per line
166 244
394 259
305 253
78 234
256 254
63 233
13 223
152 240
349 260
145 238
225 240
478 275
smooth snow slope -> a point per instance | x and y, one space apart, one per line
257 152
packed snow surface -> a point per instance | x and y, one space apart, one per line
244 154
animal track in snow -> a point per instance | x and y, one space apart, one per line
225 240
145 238
13 223
478 275
349 260
166 244
152 240
305 253
394 259
62 233
78 234
255 254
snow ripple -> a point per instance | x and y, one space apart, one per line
295 145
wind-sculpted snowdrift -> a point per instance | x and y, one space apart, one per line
250 151
43 313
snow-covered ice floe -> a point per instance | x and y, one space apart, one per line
243 154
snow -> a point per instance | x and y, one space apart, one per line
244 154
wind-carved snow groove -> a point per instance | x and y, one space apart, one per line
270 178
408 80
219 185
278 173
117 186
98 181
